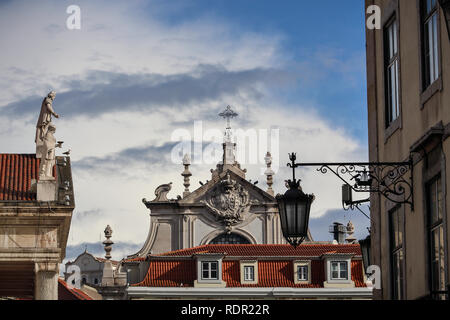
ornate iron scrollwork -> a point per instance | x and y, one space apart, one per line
387 178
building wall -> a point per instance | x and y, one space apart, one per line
90 269
175 229
417 116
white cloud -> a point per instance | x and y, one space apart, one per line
118 37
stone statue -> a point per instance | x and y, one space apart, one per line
44 121
350 231
48 154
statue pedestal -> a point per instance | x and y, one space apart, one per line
108 274
46 190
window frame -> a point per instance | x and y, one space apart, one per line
339 258
245 264
209 258
306 274
224 238
431 227
249 276
339 263
396 250
301 263
388 63
209 270
428 91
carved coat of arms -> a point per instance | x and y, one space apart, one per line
228 201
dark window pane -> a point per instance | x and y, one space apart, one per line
436 236
430 51
231 238
391 72
396 235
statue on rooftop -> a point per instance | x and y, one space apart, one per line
48 154
44 121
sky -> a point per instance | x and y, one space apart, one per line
137 72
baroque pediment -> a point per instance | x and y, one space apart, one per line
256 194
228 200
228 197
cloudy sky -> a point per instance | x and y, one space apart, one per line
137 71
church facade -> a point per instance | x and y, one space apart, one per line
228 209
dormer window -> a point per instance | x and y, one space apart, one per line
209 270
302 272
339 270
249 271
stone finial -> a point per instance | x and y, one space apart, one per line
269 173
229 148
162 191
108 242
350 231
108 271
186 174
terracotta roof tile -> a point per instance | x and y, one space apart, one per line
16 173
270 250
170 274
67 293
165 272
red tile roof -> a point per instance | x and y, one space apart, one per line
67 293
169 272
16 173
269 250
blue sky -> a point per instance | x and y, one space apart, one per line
139 70
331 28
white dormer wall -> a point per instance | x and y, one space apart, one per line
208 283
330 282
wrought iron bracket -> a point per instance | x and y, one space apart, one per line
386 178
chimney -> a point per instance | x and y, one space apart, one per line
338 230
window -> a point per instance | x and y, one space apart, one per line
249 273
430 52
209 270
302 273
231 238
396 245
436 237
339 270
391 72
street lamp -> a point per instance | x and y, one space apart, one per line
294 207
365 250
445 5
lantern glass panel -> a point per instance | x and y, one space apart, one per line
301 217
290 213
